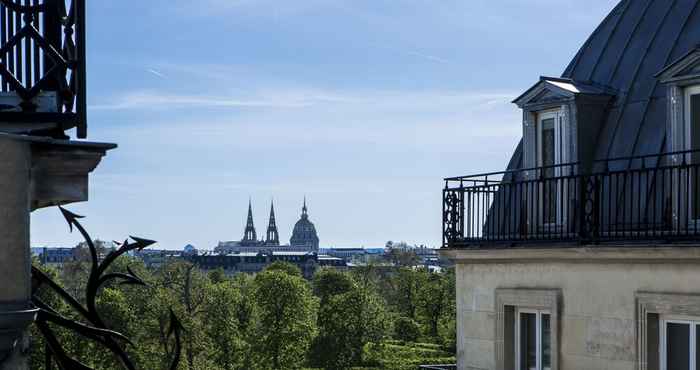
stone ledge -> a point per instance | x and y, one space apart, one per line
599 254
60 168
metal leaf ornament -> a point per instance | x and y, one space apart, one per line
93 327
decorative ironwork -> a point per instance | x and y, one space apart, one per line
649 198
93 327
42 49
453 206
590 207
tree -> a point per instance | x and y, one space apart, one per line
405 286
406 329
331 282
286 312
347 322
217 276
285 267
432 302
223 327
401 254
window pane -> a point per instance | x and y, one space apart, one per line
677 346
695 144
548 159
546 342
528 341
548 146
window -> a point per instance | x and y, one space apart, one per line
534 340
679 347
526 328
692 142
550 153
668 328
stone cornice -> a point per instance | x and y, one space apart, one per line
597 254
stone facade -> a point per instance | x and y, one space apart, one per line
601 316
35 172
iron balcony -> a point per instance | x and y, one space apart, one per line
641 199
42 67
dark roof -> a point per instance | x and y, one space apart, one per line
634 42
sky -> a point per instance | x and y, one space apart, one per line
362 106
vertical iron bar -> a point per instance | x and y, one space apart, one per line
36 58
3 41
18 51
27 50
81 99
11 32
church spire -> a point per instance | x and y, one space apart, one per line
304 210
273 237
250 235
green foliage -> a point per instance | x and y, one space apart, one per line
229 347
405 356
349 318
217 276
432 301
330 282
406 329
268 321
285 267
286 320
406 285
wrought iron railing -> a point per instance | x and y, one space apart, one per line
653 198
42 63
92 326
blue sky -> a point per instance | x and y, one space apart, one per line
361 105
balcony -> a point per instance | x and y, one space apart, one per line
642 200
42 67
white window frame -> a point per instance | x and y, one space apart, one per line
561 151
688 92
693 323
538 328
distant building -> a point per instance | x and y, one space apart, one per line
190 250
233 264
347 254
155 258
304 237
57 256
334 262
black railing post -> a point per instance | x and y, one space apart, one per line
81 92
583 232
461 210
52 33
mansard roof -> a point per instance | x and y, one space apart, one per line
625 53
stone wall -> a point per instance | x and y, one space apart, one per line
598 304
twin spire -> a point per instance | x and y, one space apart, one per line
273 236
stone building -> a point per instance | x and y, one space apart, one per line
584 253
304 237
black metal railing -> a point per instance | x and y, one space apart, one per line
641 198
42 50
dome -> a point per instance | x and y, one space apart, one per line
632 44
304 233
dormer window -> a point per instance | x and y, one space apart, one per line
573 112
561 120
